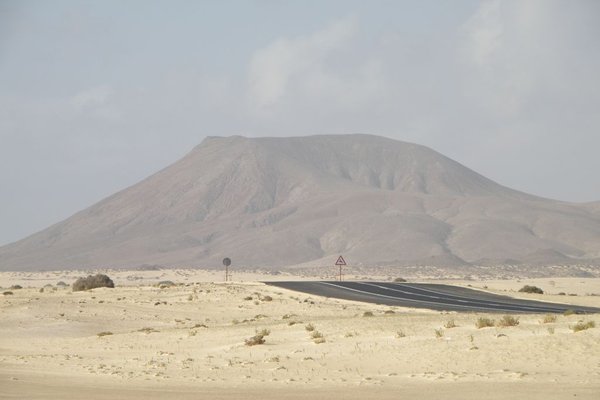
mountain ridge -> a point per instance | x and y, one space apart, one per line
275 202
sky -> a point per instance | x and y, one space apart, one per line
97 95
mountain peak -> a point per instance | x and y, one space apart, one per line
278 201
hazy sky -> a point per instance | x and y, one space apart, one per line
96 95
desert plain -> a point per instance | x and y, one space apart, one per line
188 340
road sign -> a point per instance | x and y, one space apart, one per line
340 261
226 263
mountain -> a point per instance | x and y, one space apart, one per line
275 202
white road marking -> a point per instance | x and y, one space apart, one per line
413 301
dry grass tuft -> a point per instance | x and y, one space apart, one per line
582 326
259 338
368 314
450 324
508 320
147 330
549 318
317 337
484 323
309 327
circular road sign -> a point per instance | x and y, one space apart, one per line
227 261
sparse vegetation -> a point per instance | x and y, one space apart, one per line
400 334
147 330
508 320
267 298
61 284
569 312
484 323
259 338
8 293
309 327
399 280
255 340
92 282
439 333
248 298
389 312
106 333
16 287
549 318
531 289
582 326
368 314
317 337
165 284
450 324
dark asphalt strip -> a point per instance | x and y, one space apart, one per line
431 296
496 301
441 298
441 303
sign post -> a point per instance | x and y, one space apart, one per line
340 262
226 263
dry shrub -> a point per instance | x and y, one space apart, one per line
368 314
569 312
317 337
399 280
531 289
106 333
8 293
309 327
582 326
16 287
439 333
508 320
484 323
549 318
450 324
257 339
92 282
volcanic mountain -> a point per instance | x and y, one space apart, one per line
275 202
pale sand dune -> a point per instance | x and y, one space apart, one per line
194 347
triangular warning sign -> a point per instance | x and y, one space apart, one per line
340 261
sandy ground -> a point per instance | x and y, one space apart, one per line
188 341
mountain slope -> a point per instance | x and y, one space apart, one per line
283 201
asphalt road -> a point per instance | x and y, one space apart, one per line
430 296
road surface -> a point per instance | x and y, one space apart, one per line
430 296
